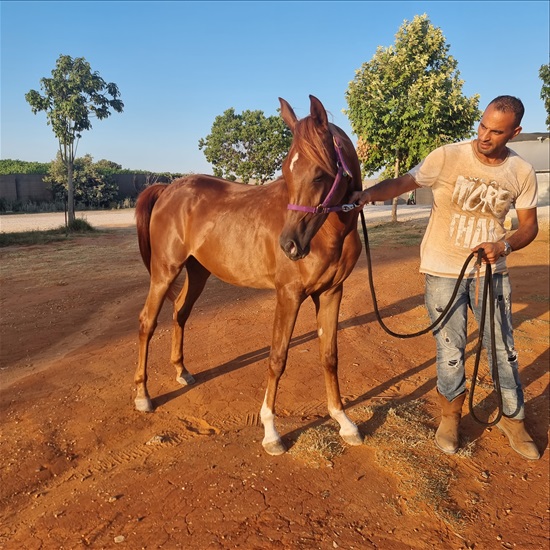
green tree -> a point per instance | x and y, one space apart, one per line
407 100
10 166
246 146
93 188
544 74
108 166
72 97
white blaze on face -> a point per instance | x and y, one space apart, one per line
293 161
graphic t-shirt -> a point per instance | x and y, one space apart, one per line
470 203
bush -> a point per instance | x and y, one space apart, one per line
80 225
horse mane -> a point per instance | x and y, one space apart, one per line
309 142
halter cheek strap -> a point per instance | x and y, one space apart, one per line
323 208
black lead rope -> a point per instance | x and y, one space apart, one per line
487 288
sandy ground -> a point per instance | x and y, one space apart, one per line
123 218
79 467
10 223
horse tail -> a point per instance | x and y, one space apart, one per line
144 207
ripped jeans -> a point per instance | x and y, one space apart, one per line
450 337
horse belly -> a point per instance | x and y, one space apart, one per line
250 266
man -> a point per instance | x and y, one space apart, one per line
474 185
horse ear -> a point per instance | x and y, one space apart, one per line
288 114
318 112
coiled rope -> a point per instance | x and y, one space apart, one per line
487 291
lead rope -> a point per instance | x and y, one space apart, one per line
487 286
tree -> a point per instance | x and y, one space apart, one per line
9 166
93 188
246 146
544 74
71 98
407 100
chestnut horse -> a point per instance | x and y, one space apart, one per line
295 235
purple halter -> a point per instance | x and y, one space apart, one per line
343 170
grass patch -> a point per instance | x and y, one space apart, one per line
62 233
404 446
407 233
318 447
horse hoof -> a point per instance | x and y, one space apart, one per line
185 379
353 439
143 404
274 448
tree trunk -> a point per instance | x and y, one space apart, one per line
70 193
395 199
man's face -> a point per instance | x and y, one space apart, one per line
495 130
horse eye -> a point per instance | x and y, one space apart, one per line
318 179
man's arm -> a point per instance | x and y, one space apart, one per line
385 190
526 232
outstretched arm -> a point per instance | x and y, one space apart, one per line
385 190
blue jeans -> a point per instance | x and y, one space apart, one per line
450 337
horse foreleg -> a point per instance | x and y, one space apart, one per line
327 305
286 312
193 286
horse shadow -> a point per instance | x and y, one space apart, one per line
262 354
536 406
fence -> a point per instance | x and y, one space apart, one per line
31 187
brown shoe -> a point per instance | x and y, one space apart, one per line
519 439
446 436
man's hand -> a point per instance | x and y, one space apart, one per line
491 251
360 197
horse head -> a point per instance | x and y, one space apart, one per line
321 171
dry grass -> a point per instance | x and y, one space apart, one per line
402 439
407 233
404 446
318 447
63 260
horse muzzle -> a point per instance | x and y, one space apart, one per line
293 250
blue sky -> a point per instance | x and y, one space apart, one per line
180 64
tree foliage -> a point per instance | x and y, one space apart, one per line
544 74
10 166
93 188
72 97
407 100
246 146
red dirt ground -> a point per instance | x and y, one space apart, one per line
81 468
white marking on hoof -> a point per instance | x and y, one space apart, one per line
272 442
185 379
143 404
348 430
352 439
274 448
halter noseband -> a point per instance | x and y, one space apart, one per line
343 170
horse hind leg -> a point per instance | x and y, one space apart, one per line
147 325
194 284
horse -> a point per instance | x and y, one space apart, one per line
295 234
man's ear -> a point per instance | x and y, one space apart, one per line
516 132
